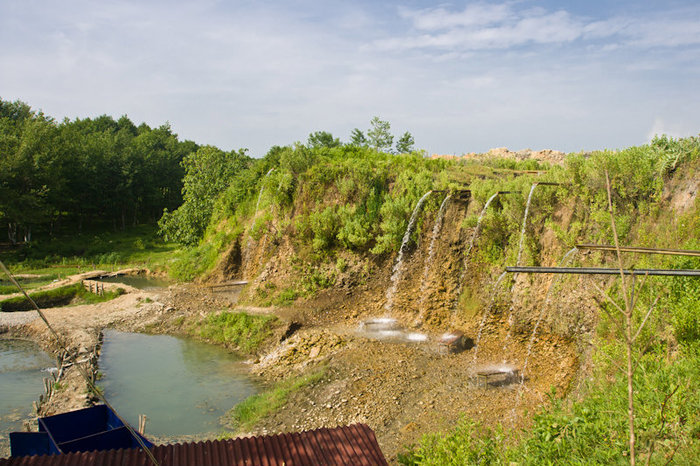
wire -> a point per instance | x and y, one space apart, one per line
80 368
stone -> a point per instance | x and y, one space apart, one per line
315 351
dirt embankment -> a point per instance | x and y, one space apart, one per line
404 389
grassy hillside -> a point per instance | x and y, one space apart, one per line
302 220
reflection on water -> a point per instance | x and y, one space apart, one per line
23 365
183 386
142 282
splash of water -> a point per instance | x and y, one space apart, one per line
431 254
494 290
246 254
397 270
517 263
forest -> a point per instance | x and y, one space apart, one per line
69 176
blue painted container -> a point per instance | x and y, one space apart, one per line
88 429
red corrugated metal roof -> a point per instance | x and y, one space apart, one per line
353 445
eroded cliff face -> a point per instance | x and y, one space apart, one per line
533 333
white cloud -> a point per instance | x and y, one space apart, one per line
476 14
254 74
674 129
481 26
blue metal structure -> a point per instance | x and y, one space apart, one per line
90 429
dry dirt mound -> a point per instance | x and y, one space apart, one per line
544 155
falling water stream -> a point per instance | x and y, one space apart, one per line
255 215
397 271
564 261
494 290
517 264
431 254
465 264
522 229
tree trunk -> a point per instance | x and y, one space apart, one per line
12 232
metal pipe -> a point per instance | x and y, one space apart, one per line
671 252
603 271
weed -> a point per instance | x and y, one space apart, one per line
246 414
243 331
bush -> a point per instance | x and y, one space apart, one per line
240 330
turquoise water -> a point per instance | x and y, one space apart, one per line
142 282
183 386
23 366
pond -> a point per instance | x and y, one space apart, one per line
183 386
141 282
23 366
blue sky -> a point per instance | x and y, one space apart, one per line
460 76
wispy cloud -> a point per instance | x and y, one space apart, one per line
482 26
460 78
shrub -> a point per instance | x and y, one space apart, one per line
240 330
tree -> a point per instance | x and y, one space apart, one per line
405 143
379 136
357 138
208 172
322 139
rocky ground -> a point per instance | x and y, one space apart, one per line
401 389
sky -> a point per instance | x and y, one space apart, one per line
460 76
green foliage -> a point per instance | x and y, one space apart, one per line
405 143
590 431
208 172
244 415
322 139
324 226
67 176
671 152
469 443
358 138
240 330
193 262
70 254
61 296
379 136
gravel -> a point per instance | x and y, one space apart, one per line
11 319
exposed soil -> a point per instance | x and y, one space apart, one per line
402 390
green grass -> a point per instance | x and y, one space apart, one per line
6 287
240 330
592 430
58 297
66 255
249 412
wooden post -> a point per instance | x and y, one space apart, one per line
142 424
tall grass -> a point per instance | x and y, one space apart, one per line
242 331
256 407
